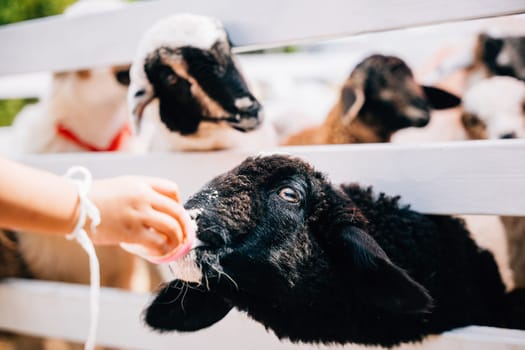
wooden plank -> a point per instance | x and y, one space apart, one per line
331 61
64 43
469 177
5 137
34 85
61 310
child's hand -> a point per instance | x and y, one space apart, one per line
139 210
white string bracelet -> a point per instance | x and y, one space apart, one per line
82 179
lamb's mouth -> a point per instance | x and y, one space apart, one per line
201 260
197 270
187 268
240 122
200 266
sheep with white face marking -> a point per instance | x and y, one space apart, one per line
318 263
186 65
379 98
494 108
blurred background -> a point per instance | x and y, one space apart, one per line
297 82
12 11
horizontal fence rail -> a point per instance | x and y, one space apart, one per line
61 310
65 43
470 177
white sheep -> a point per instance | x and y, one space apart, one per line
83 110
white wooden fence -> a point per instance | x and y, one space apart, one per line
455 178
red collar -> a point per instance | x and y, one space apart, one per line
115 145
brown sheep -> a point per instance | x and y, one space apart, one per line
379 98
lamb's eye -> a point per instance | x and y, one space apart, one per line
122 77
289 195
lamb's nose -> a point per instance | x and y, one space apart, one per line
244 104
508 135
212 236
194 213
194 216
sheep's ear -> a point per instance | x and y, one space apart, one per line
376 279
185 308
475 128
488 48
440 99
352 100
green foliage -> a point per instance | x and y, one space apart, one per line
10 108
20 10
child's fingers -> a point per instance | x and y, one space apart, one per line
157 244
165 187
173 209
167 226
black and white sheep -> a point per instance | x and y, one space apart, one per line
318 263
503 55
185 64
486 56
379 98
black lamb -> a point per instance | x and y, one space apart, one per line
324 264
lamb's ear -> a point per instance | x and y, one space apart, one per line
440 99
376 279
185 308
488 48
475 128
352 100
